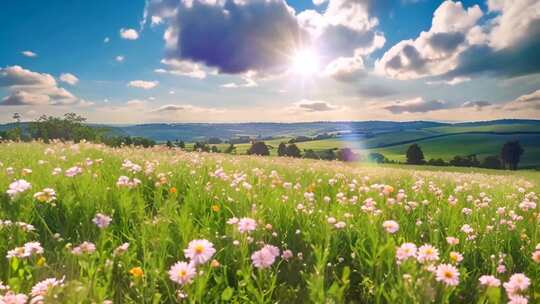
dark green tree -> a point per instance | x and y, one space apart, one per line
414 154
511 154
293 151
282 149
491 162
258 148
231 149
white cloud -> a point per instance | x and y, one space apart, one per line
249 82
182 68
29 54
514 22
69 78
345 68
461 42
142 84
106 40
129 34
119 58
436 51
31 88
416 105
525 102
307 105
25 98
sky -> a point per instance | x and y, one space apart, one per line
128 61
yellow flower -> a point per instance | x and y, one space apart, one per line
41 262
216 208
173 190
136 272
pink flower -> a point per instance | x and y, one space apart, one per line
84 248
199 251
102 220
287 254
390 226
447 274
517 299
43 287
517 283
120 250
489 281
18 187
246 224
73 171
265 257
182 273
29 249
452 240
427 253
405 251
13 298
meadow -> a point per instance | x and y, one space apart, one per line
85 223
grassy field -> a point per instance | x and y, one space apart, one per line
480 144
89 224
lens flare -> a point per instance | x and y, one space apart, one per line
305 62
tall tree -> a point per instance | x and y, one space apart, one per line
258 148
511 154
293 151
282 149
415 155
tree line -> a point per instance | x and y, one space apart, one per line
508 158
70 127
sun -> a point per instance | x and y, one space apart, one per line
305 62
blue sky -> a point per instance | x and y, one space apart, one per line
273 60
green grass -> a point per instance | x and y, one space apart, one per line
463 144
503 128
187 196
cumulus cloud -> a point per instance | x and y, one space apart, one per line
182 68
460 43
69 78
314 106
25 98
142 84
345 69
262 35
416 105
248 81
376 91
436 51
29 54
184 108
129 34
478 105
26 87
529 101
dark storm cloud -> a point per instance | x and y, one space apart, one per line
234 38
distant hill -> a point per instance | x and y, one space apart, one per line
190 132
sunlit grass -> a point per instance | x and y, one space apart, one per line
328 214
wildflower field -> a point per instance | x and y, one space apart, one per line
84 223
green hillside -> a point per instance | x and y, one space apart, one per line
480 144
